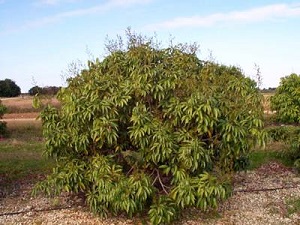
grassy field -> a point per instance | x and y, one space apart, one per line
274 151
21 155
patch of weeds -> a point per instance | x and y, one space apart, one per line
25 131
38 222
272 209
274 151
18 159
21 155
293 206
55 202
275 208
20 162
259 158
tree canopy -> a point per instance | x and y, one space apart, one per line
151 129
286 100
9 88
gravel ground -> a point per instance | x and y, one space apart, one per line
263 196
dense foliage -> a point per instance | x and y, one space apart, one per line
151 129
291 136
3 130
48 90
9 88
286 101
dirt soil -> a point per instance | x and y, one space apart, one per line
263 196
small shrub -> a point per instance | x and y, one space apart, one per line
280 133
291 136
293 206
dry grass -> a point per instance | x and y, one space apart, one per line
27 115
23 104
266 101
25 130
21 101
17 124
21 154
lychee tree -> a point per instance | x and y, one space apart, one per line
286 104
286 100
151 129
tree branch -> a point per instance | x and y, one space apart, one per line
160 181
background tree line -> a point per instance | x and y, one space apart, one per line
9 88
48 90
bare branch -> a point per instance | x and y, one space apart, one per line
160 181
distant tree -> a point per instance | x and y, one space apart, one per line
286 101
35 90
50 90
9 88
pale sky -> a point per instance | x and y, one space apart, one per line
39 39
